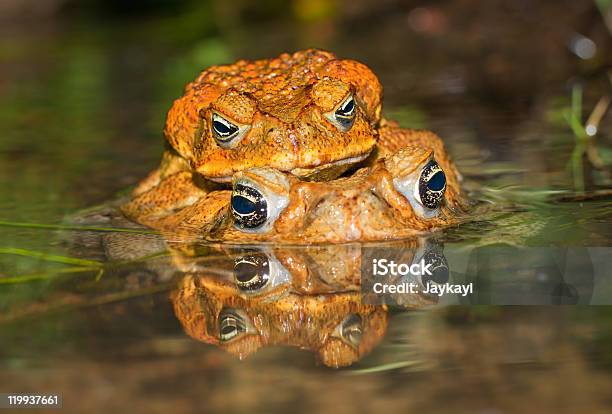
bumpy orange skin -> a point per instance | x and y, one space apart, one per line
365 206
283 100
319 289
304 321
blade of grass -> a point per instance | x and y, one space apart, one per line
605 8
383 367
74 228
577 102
48 257
43 276
573 118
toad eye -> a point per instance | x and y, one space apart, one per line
350 330
249 207
347 108
252 272
226 133
231 325
438 268
424 188
257 272
259 195
344 115
234 323
223 128
432 184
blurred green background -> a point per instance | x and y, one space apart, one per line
510 86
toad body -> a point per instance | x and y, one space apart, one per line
294 124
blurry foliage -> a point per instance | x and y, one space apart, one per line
605 8
208 52
409 116
565 112
207 11
55 120
314 10
585 149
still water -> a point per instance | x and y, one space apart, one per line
113 316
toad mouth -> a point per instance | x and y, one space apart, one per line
312 171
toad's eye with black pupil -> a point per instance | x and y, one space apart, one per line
249 207
437 181
347 108
230 326
439 272
345 114
351 329
432 184
243 205
223 128
252 272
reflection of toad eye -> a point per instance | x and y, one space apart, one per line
438 267
249 207
344 115
258 272
231 324
251 272
350 329
226 133
432 184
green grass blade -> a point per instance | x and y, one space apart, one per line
383 367
74 228
48 257
45 275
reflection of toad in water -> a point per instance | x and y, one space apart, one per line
304 297
242 298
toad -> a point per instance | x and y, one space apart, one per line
409 193
309 114
300 120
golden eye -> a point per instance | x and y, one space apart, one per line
438 267
252 271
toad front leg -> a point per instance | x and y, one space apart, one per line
159 201
167 190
